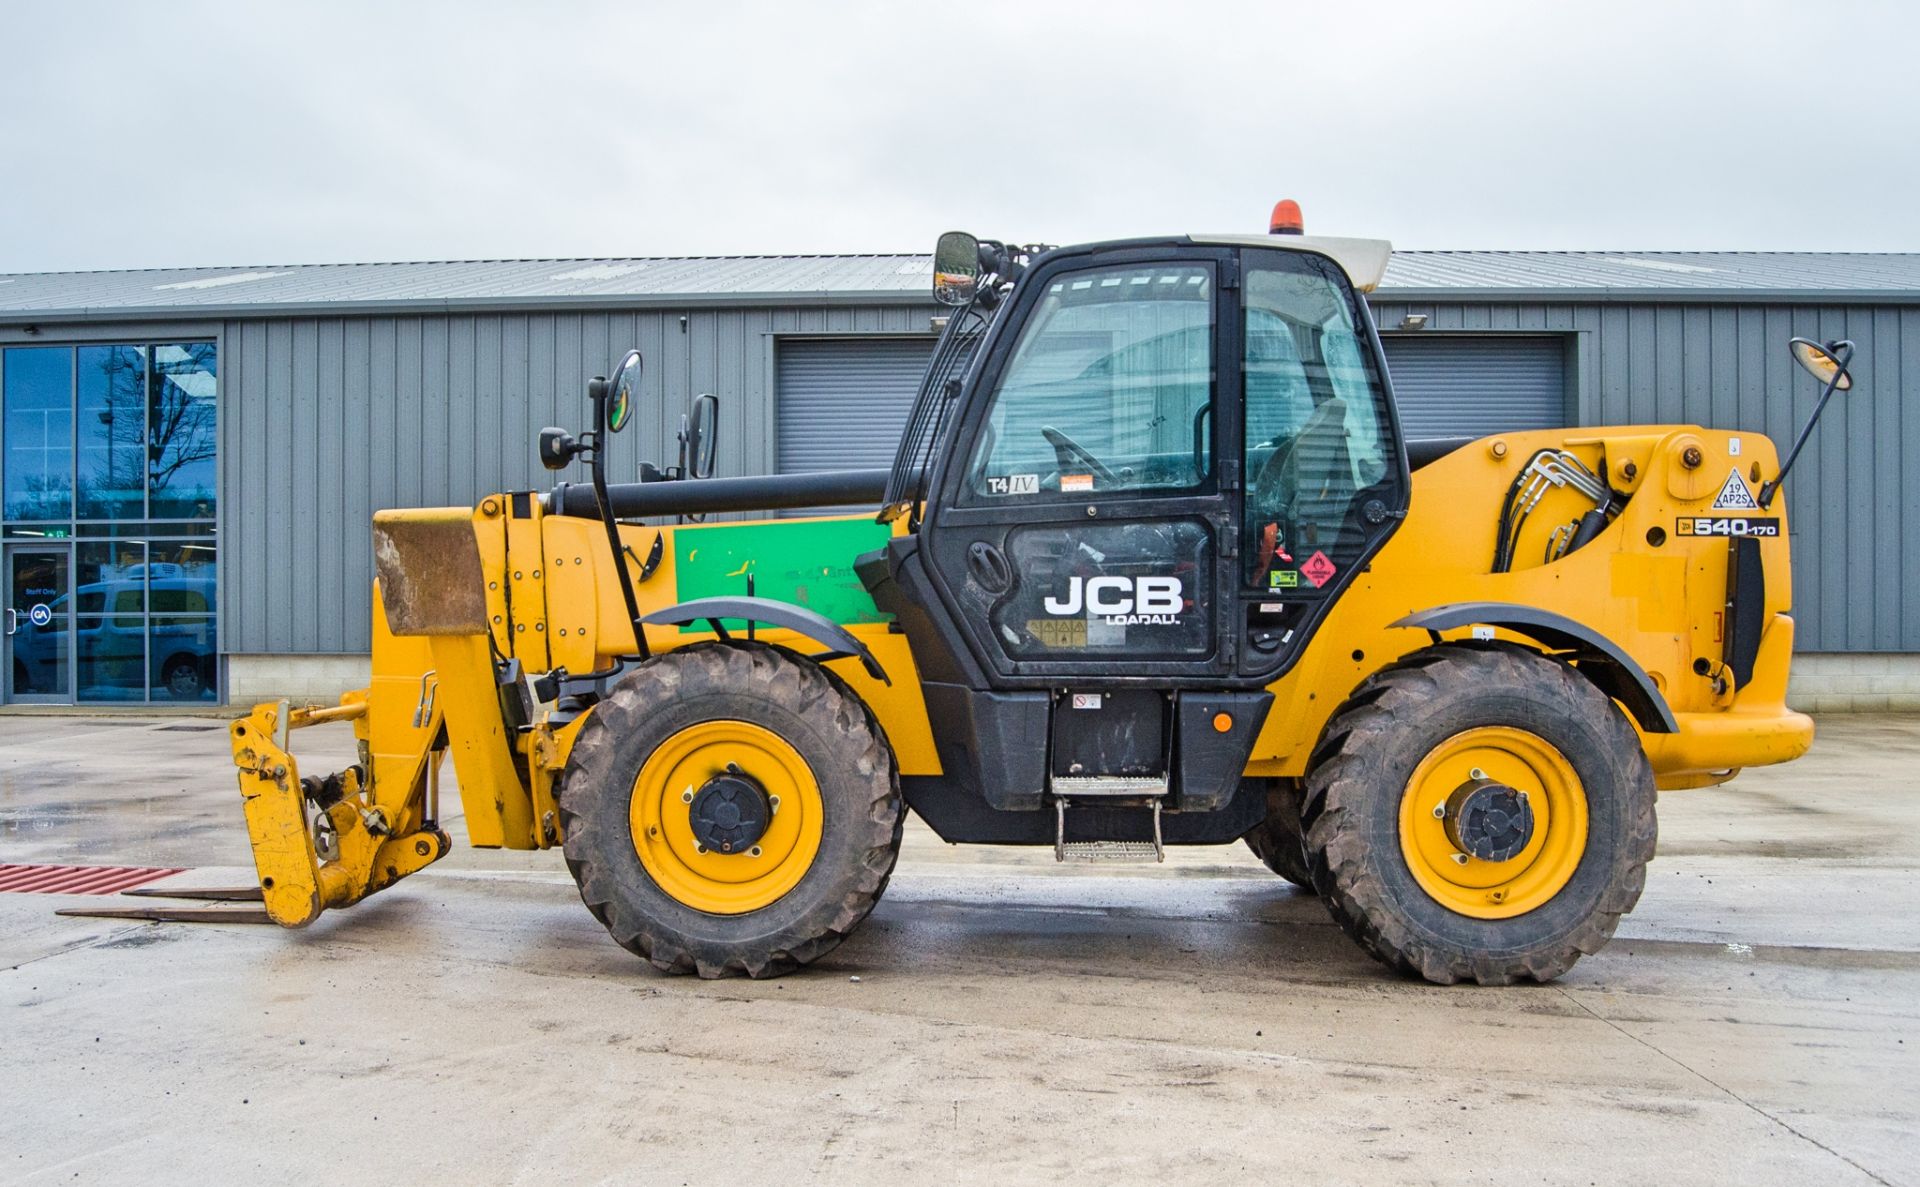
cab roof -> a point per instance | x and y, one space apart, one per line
1363 260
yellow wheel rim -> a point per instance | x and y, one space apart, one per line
726 883
1531 877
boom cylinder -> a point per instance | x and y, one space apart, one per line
772 492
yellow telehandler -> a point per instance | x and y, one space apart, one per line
1153 565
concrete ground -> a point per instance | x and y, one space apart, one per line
998 1019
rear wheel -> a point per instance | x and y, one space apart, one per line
1277 841
730 809
1479 813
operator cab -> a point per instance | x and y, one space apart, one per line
1141 472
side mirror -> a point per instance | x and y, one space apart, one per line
699 437
1828 364
622 390
1820 362
956 268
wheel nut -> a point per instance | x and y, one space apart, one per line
773 802
1440 810
686 797
1459 859
754 852
699 848
1476 773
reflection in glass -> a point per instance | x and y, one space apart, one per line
1317 441
178 527
183 657
110 655
181 426
1109 387
109 578
181 576
112 432
38 462
38 581
113 444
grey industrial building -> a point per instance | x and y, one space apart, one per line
190 457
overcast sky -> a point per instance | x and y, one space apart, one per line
182 133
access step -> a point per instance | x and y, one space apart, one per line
1096 851
1065 850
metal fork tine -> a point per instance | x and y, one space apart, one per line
173 914
218 894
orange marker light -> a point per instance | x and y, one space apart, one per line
1222 722
1286 219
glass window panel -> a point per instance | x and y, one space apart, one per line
1109 387
111 658
168 598
181 424
112 430
111 577
40 649
181 527
181 573
1316 423
38 463
183 659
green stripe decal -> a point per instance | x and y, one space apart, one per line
806 562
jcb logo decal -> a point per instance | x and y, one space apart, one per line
1122 599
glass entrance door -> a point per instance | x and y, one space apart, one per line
38 614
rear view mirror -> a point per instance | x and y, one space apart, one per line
1820 363
622 390
699 435
956 268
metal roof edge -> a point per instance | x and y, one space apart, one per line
453 305
1515 295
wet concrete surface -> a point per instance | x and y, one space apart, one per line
998 1019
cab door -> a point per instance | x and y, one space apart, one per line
1325 470
1080 527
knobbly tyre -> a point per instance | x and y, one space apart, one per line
1153 566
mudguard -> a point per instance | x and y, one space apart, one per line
1611 670
840 644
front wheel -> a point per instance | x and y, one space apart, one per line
731 809
1479 813
1277 840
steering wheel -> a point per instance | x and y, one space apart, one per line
1066 451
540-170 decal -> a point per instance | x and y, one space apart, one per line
1727 525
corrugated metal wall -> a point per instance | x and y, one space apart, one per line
1853 499
324 420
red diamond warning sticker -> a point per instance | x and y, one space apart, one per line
1318 569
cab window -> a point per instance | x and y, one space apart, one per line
1109 388
1317 430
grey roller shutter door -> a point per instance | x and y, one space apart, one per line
843 402
1471 387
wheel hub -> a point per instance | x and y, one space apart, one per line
1489 820
730 812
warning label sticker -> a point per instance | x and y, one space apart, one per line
1734 495
1318 569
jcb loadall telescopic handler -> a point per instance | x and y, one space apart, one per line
1153 566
